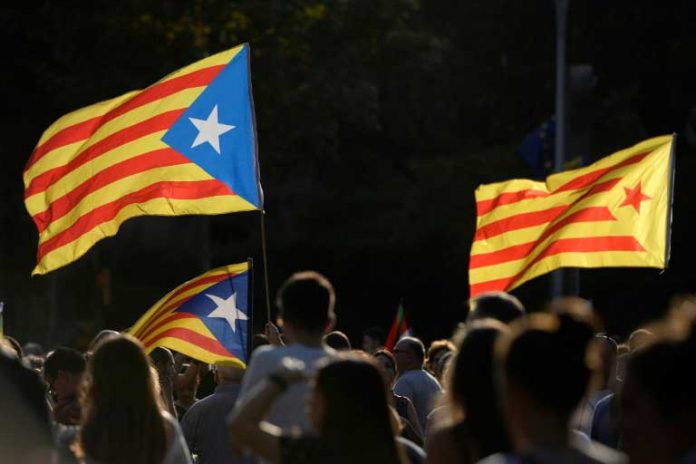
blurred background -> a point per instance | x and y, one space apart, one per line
376 121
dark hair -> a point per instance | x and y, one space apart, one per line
63 359
472 389
122 421
337 340
546 357
375 333
387 354
356 403
495 305
306 300
439 346
415 345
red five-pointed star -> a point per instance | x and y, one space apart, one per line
634 197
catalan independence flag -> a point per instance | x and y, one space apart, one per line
206 318
184 145
615 212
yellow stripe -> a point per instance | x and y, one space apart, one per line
230 269
84 114
120 188
213 60
61 157
192 323
195 351
491 191
157 206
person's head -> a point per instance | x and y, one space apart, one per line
409 353
163 360
388 363
437 349
337 340
63 371
639 338
495 305
471 390
257 340
658 404
122 420
100 337
227 373
604 349
373 339
306 304
32 348
544 374
350 399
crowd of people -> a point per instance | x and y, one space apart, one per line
510 386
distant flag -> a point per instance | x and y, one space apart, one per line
184 145
398 329
206 318
614 213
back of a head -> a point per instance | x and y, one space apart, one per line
414 345
64 359
306 301
337 340
545 355
472 387
100 337
118 391
356 406
496 305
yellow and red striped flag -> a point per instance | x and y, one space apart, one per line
184 145
615 212
207 318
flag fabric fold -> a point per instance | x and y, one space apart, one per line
207 318
613 213
184 145
398 329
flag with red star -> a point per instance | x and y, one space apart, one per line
613 213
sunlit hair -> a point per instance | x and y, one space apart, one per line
122 420
356 404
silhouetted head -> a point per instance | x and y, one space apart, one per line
495 305
388 364
409 353
63 370
306 302
337 340
436 350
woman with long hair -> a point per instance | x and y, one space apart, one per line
123 421
348 408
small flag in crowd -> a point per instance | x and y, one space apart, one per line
398 329
206 318
184 145
615 212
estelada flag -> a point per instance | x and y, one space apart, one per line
398 329
615 212
206 318
184 145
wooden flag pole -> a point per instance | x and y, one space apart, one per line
265 266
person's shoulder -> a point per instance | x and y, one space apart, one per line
501 458
597 452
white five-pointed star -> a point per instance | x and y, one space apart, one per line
227 309
210 130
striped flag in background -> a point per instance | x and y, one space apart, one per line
206 318
184 145
615 212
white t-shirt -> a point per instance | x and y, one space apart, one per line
290 410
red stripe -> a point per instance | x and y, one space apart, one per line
591 177
156 123
506 198
169 303
535 218
563 245
209 344
165 189
141 163
149 327
590 214
83 130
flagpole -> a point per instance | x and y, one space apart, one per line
265 266
559 152
672 172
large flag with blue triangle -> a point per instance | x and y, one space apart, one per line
207 318
184 145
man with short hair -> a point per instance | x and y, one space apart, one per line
62 372
203 424
306 311
414 382
500 306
